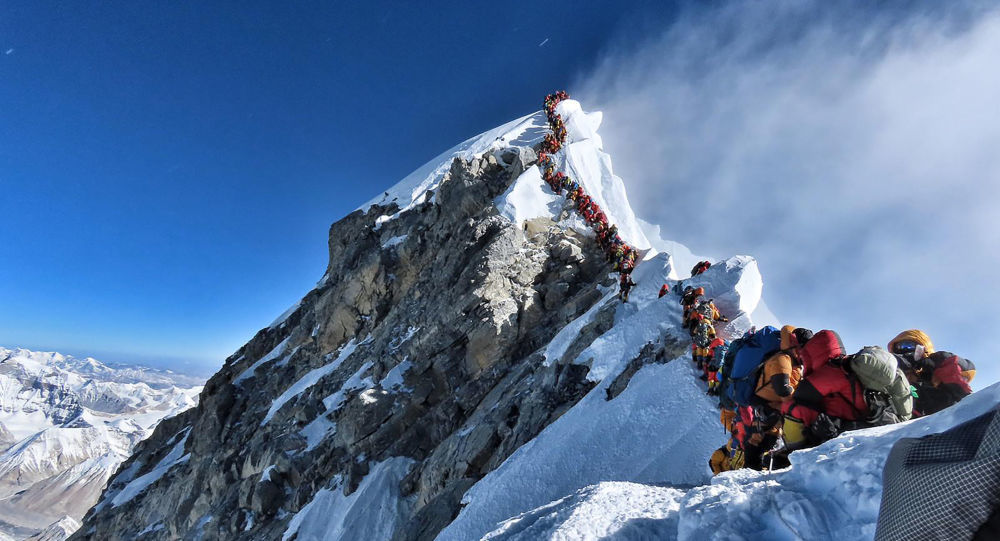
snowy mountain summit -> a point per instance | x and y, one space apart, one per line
465 369
65 426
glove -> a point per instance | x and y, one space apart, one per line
825 427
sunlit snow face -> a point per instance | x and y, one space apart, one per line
855 158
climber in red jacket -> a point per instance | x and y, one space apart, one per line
826 398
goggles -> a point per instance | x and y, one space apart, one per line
904 346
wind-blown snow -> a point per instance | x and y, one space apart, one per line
355 382
529 197
639 512
394 378
394 241
317 430
371 512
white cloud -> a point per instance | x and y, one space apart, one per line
855 154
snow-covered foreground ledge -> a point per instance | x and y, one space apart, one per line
830 492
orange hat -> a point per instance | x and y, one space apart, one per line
788 340
917 336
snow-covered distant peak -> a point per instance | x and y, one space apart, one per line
523 132
65 426
72 370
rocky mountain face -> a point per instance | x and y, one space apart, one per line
448 331
65 426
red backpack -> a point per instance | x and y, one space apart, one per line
822 347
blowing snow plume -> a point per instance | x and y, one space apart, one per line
852 153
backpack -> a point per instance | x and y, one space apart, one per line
878 371
706 309
719 351
745 366
703 333
726 369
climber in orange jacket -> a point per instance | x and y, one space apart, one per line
782 371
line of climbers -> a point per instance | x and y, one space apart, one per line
788 389
621 256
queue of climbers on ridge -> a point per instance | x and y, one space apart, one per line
779 389
620 255
788 389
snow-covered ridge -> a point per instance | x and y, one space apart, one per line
396 423
584 160
831 492
65 426
523 132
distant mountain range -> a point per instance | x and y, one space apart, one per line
66 424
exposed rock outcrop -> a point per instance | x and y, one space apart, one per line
421 341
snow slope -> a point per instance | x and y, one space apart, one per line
523 132
623 469
830 492
635 466
370 512
66 424
660 434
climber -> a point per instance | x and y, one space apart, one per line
754 434
689 297
827 400
702 335
617 258
663 291
781 372
707 310
779 375
602 218
725 458
941 378
718 348
625 286
701 267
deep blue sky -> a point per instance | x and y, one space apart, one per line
169 170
